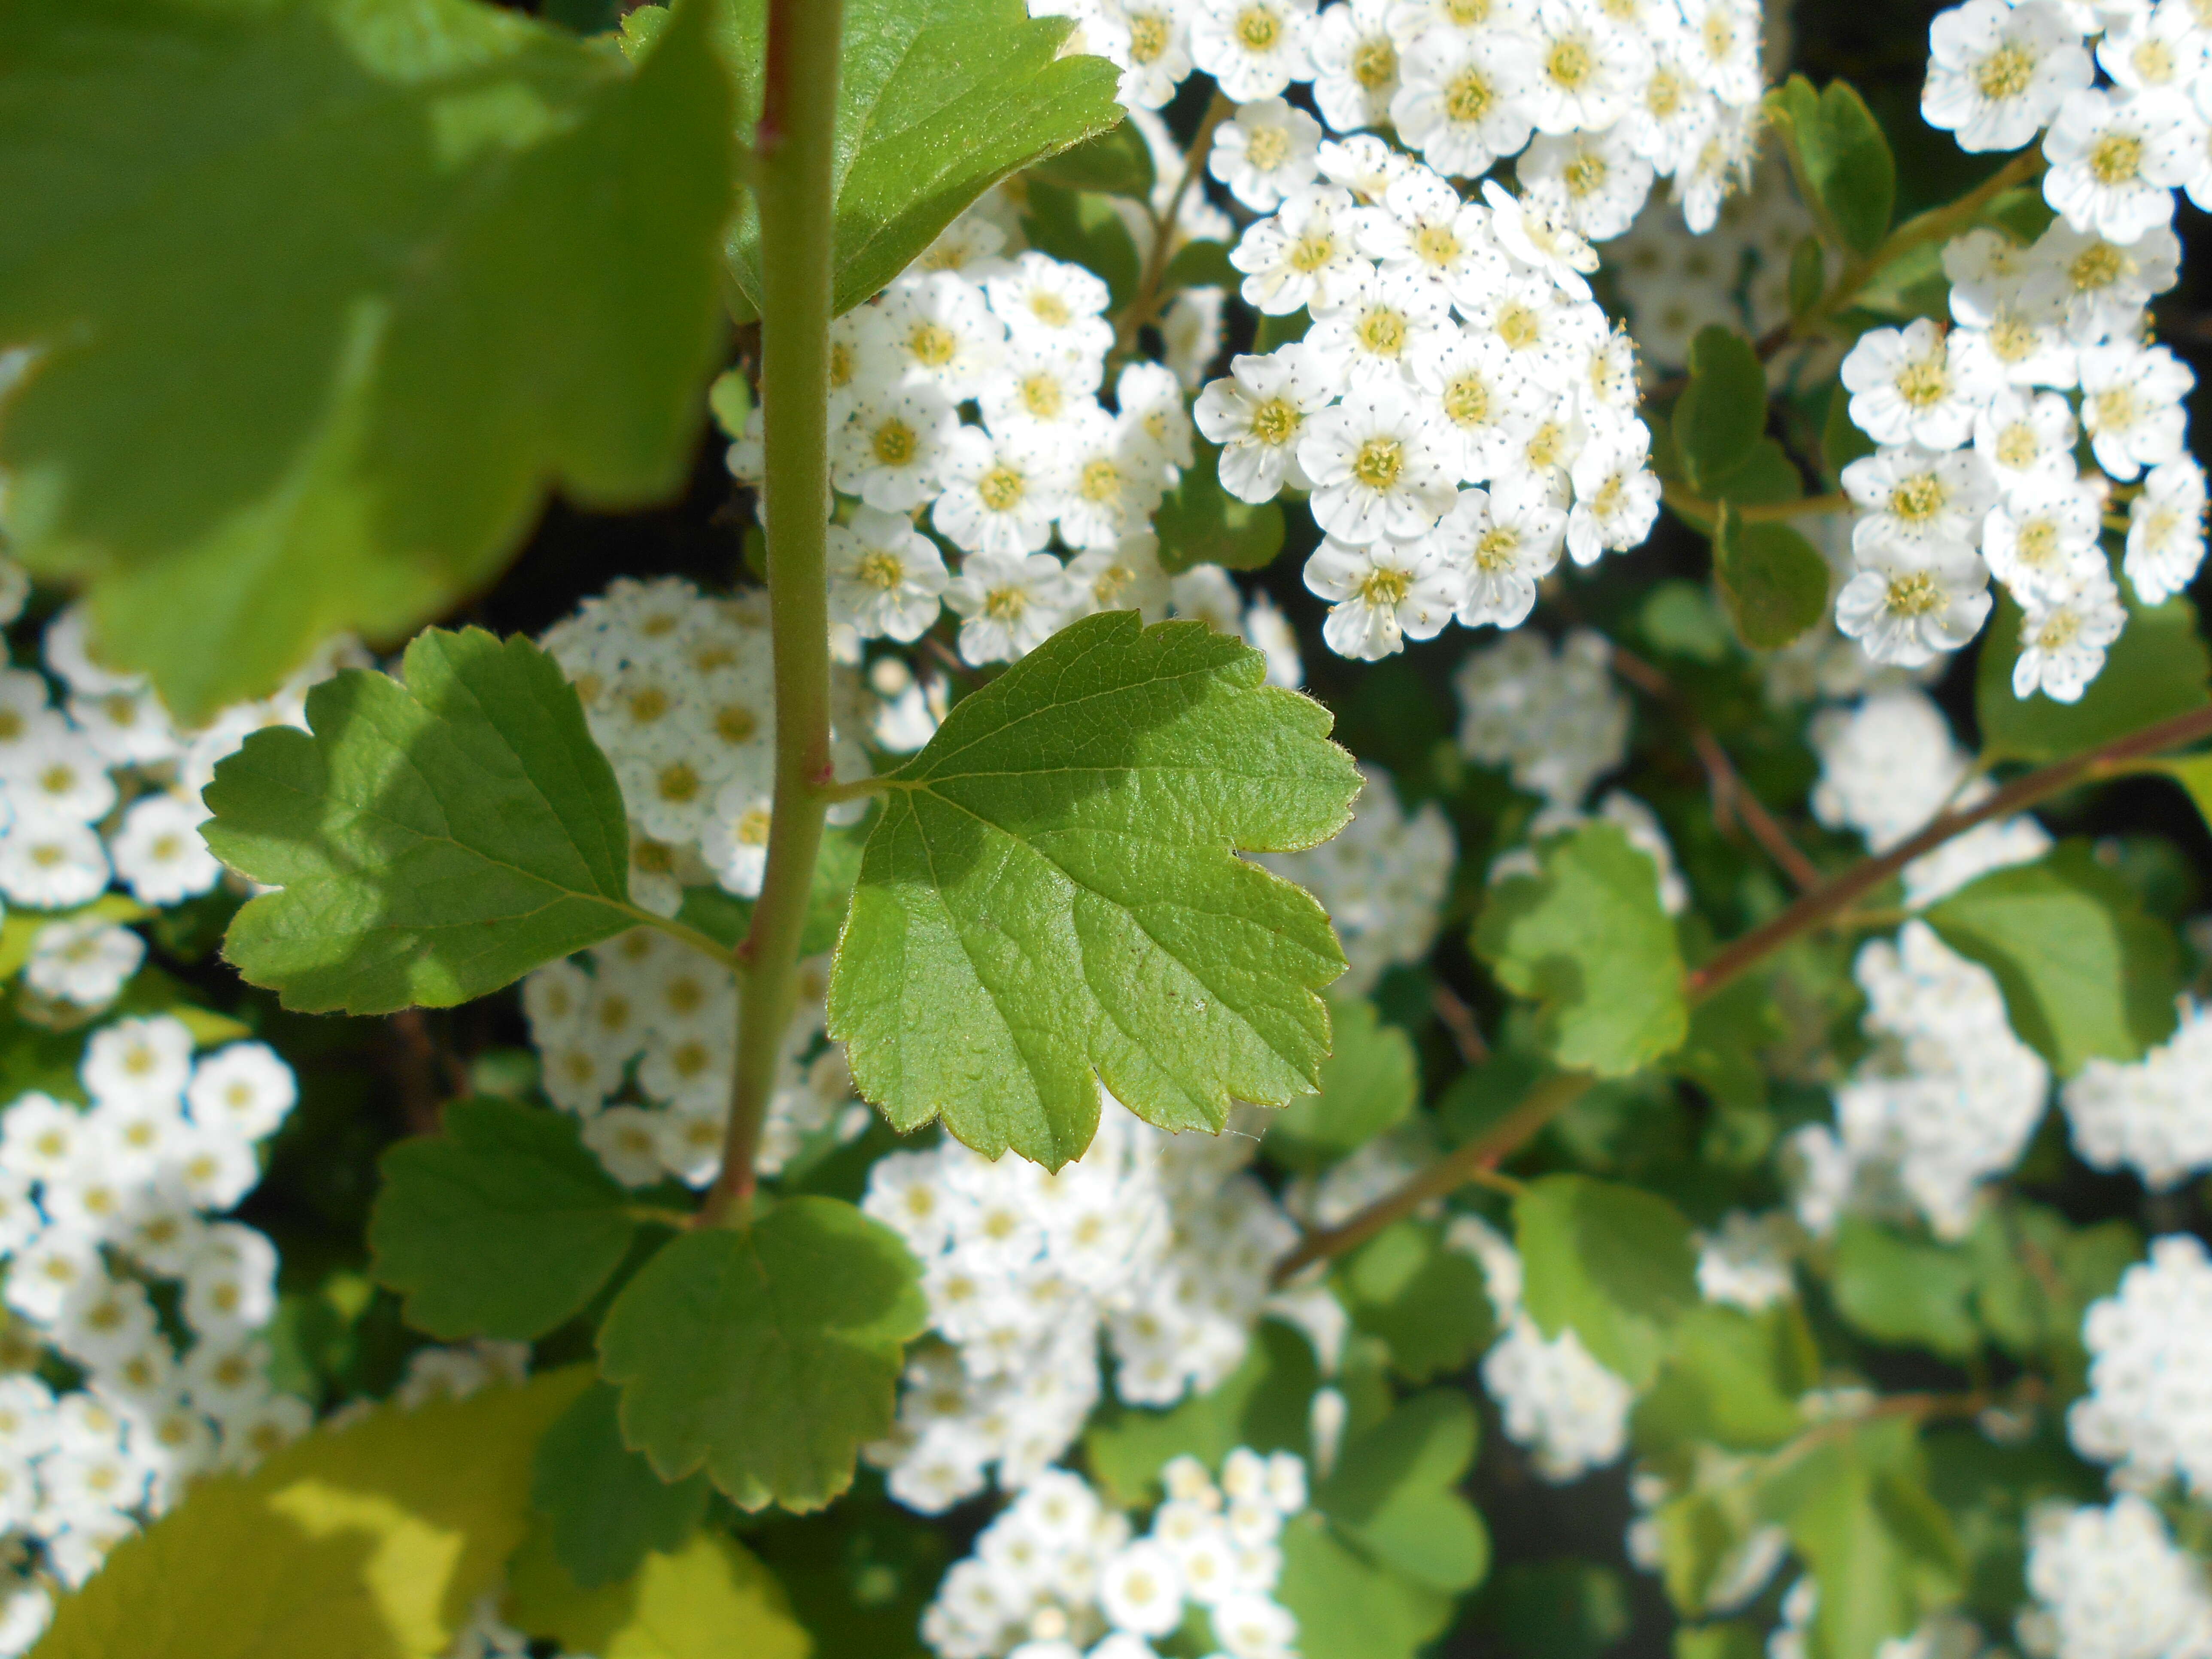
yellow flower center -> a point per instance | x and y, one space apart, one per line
1584 175
1268 149
1382 331
880 570
1385 589
2097 266
1374 63
1379 463
2006 72
1311 251
1915 595
1497 547
1101 480
1436 245
735 723
1050 310
1001 489
1917 498
1518 325
1043 396
752 827
1570 63
2016 445
2116 409
1275 422
1148 37
1662 95
1467 401
1006 604
1924 383
932 345
2154 62
1258 28
1469 97
2038 541
2057 631
2116 158
895 442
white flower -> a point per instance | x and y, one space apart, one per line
1541 330
1588 70
1997 74
1355 65
1424 229
1908 603
2043 541
1377 327
1461 103
1258 415
1001 494
1049 305
1150 399
1252 48
1190 334
1124 577
1265 153
886 576
87 962
1502 541
2026 442
58 779
1986 269
1141 1589
2100 287
2146 1408
246 1086
2109 1584
1715 163
1115 477
2114 160
2132 404
1293 257
2153 1117
942 334
159 853
2166 531
889 449
1479 404
1364 166
52 867
1044 391
2160 49
1149 39
1591 185
2063 636
1250 1627
1539 241
1669 117
1914 497
1909 385
1376 468
1381 595
1616 495
1721 48
1011 604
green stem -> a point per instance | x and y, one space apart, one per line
1699 514
1146 303
794 183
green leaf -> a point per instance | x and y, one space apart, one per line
1731 1638
433 839
1729 1032
1904 1291
1722 413
1881 1553
607 1511
1051 891
1767 477
2085 974
1733 1379
768 1356
731 398
1808 276
1423 1299
1117 161
1264 1404
1394 1493
1084 230
2035 1276
1774 582
372 1541
1200 263
1199 522
709 1599
1588 940
937 101
1615 1264
1843 161
1563 1609
505 1225
2157 667
324 304
1842 443
1349 1608
1368 1085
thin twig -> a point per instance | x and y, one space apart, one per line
1458 1019
1145 304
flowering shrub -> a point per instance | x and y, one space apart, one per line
942 1014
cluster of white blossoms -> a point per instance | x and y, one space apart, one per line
1553 718
1059 1574
2110 1584
103 1207
678 691
2148 1410
1382 878
1977 423
1946 1100
1888 765
1568 1410
1158 1241
637 1037
1674 280
2153 1117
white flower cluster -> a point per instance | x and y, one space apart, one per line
1060 1575
678 691
1674 280
1946 1100
1568 1410
2153 1117
97 1205
1750 1263
2109 1584
1888 765
1553 718
1156 1240
1382 878
1978 425
2150 1406
1019 341
638 1038
1453 343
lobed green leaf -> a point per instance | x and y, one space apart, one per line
706 1599
1774 582
1427 1301
1368 1084
606 1511
1394 1493
1613 1264
1722 413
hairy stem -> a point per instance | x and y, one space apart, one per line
1146 303
793 181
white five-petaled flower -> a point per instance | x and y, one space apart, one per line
890 448
1376 468
1265 153
1424 230
1115 477
2166 531
1048 303
1616 494
1291 259
1461 103
886 576
1355 62
1257 415
1536 240
1586 186
2063 636
1996 73
2027 441
1501 542
1009 604
1001 492
1913 497
1252 48
1909 603
1912 385
2115 160
2099 287
2131 405
2042 540
941 333
1721 47
1381 595
1589 68
1377 326
1481 404
1149 40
